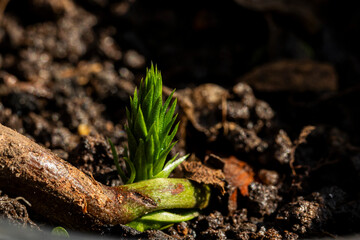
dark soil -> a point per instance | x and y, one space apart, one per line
268 102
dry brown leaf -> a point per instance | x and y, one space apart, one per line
198 172
238 174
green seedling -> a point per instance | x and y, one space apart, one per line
151 129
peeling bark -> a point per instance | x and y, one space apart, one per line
65 195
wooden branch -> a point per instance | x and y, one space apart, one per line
65 195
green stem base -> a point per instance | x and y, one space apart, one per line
162 193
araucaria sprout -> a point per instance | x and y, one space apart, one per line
151 129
